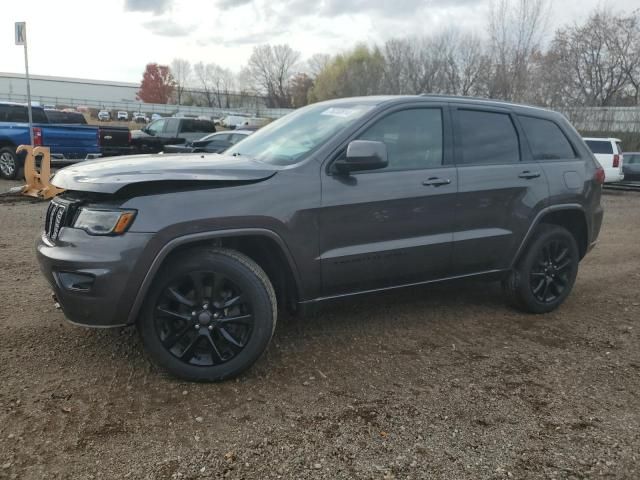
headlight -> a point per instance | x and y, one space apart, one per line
104 222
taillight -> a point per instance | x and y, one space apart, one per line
599 175
37 137
616 161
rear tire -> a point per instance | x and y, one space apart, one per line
209 315
544 276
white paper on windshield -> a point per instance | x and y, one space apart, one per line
339 112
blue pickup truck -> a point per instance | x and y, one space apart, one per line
68 143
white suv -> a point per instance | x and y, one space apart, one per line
123 116
608 152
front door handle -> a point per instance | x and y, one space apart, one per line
528 174
436 182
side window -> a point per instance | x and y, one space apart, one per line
413 138
235 138
156 127
487 137
203 126
38 115
600 146
18 113
4 113
546 140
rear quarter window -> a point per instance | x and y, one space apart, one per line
546 140
600 146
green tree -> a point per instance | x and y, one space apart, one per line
357 72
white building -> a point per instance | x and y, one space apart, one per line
46 89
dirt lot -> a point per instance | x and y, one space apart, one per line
440 382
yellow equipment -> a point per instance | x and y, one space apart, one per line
38 181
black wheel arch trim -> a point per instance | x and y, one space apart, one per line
182 240
537 219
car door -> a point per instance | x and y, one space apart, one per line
500 188
391 226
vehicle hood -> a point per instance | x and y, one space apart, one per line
108 175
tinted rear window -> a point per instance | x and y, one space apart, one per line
197 126
600 146
18 113
632 159
546 140
487 137
619 147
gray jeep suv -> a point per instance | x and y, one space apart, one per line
339 198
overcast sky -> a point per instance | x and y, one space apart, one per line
115 39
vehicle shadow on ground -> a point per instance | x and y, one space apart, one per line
424 310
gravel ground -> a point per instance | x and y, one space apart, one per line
439 382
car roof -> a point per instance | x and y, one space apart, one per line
18 104
247 132
600 139
376 100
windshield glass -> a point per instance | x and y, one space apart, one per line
287 140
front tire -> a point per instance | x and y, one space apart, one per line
209 315
9 165
544 277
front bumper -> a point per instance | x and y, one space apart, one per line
104 267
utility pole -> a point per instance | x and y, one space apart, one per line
21 39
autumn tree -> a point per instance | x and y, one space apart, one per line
157 84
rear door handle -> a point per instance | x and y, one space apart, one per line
528 175
436 182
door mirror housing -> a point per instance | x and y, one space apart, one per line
363 155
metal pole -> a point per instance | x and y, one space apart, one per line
26 68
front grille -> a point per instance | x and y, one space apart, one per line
59 214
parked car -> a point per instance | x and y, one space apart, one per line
140 118
336 199
123 116
608 152
169 131
631 167
104 116
231 121
65 141
215 143
155 116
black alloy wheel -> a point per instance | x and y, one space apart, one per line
203 318
209 315
549 277
545 274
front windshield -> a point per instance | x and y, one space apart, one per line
287 140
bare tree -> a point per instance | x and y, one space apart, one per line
181 71
271 68
516 29
600 58
317 63
215 84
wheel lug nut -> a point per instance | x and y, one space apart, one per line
193 313
210 327
197 326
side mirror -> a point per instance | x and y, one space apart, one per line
363 155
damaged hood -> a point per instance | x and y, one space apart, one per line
108 175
